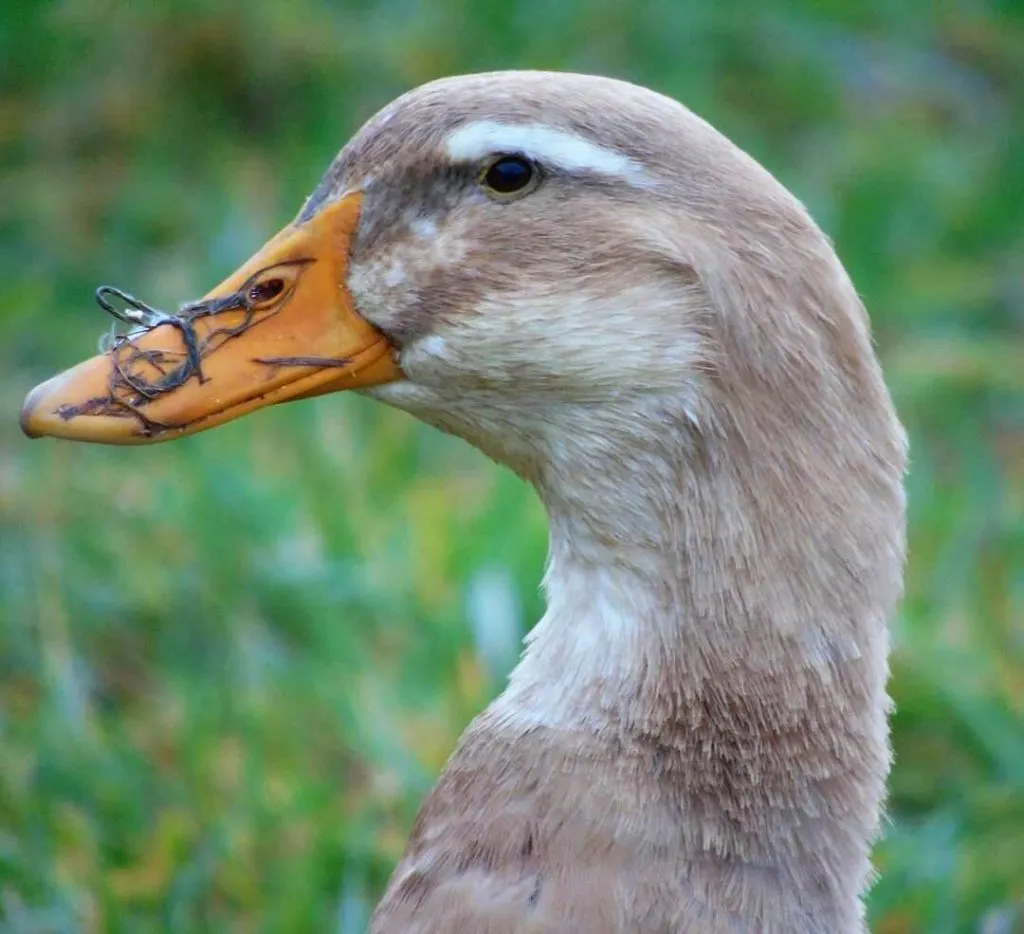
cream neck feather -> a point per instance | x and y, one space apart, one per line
743 635
659 572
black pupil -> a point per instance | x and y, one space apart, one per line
265 291
509 174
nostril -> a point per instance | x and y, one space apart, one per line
265 291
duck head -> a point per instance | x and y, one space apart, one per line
531 261
484 246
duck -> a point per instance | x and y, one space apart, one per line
590 284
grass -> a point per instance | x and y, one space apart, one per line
231 667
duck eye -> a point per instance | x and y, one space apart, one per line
508 175
266 291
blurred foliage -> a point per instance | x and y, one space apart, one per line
231 667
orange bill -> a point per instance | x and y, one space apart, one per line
281 327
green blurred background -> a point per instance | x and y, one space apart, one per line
231 667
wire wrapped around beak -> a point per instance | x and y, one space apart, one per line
282 327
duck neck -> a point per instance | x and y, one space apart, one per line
699 612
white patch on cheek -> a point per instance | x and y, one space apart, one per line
432 346
386 283
583 343
428 359
395 275
402 394
423 227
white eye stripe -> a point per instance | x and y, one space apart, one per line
558 149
